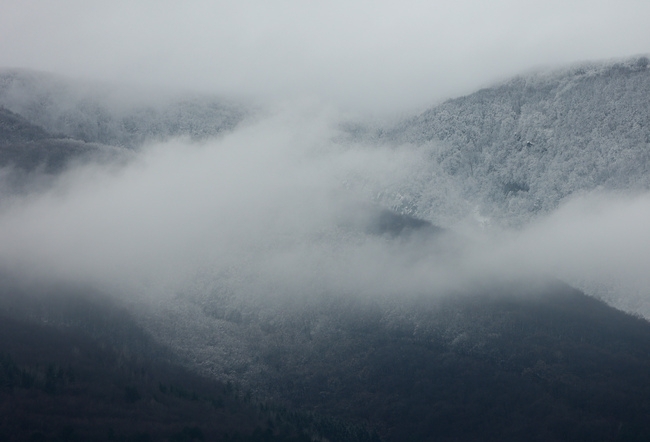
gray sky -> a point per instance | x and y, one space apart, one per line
381 56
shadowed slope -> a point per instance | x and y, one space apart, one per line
509 362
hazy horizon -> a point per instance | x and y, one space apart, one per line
370 57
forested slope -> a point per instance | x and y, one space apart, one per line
517 149
75 366
503 361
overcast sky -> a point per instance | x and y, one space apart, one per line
364 55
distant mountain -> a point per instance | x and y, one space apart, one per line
48 122
111 115
515 150
25 148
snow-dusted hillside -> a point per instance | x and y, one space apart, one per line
113 115
511 152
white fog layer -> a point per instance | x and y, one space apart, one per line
278 197
281 207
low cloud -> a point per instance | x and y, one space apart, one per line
598 242
280 207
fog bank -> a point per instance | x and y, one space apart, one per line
281 207
275 196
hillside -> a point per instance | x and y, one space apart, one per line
15 129
514 151
75 366
504 361
125 117
48 123
25 147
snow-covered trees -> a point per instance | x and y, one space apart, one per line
519 148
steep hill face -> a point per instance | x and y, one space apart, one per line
504 361
516 150
112 116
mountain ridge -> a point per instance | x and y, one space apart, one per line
517 149
119 116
